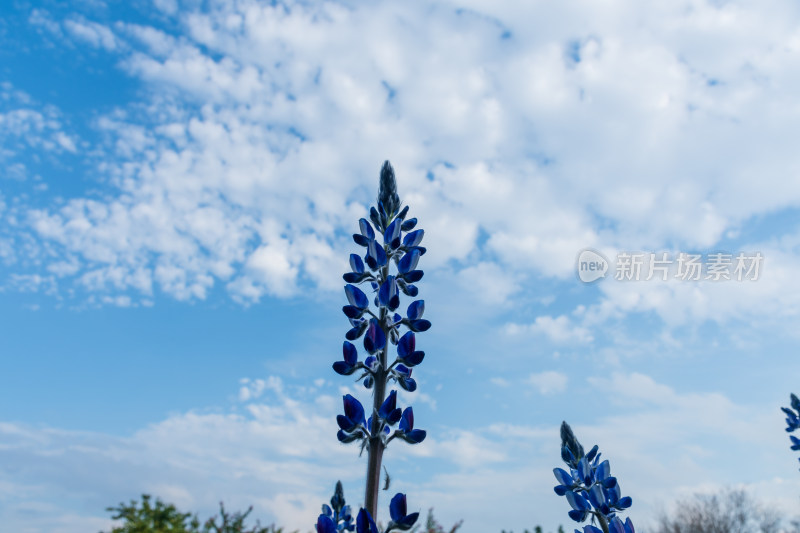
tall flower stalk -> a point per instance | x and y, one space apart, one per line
590 488
387 269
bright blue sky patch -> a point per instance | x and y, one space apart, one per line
178 186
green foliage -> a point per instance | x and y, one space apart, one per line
163 518
148 519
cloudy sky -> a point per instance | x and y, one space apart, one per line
179 181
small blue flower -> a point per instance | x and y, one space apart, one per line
580 506
350 363
359 303
391 236
365 523
353 419
367 234
387 294
398 511
406 352
375 339
376 256
389 410
402 374
406 429
358 329
358 274
325 524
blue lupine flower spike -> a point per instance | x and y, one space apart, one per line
793 420
589 487
381 275
336 517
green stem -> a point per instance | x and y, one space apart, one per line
376 446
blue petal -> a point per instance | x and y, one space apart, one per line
376 255
397 507
326 510
795 402
413 276
604 470
577 501
356 331
388 405
356 264
561 490
596 496
365 228
585 470
408 262
408 290
416 310
405 346
353 409
394 417
392 234
352 311
624 503
578 516
616 526
349 353
365 523
375 339
419 325
374 217
415 436
325 524
592 452
415 358
346 424
360 240
409 224
347 437
629 526
356 296
407 420
368 381
343 368
353 277
563 477
413 238
408 384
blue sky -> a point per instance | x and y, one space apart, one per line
178 188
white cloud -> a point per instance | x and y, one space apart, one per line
548 382
558 330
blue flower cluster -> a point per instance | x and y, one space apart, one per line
388 268
381 326
590 488
336 517
793 421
